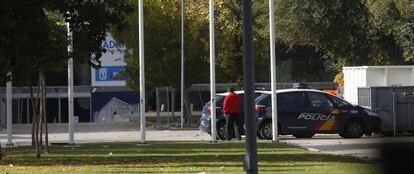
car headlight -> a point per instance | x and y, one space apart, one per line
370 113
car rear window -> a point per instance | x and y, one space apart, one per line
263 99
219 101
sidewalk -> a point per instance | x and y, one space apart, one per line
102 132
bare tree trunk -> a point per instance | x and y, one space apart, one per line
35 104
38 146
45 112
41 120
33 109
41 111
36 121
35 117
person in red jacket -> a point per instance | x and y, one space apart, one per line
231 109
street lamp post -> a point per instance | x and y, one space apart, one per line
273 71
141 68
212 74
70 87
9 109
182 64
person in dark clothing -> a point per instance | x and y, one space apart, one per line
231 109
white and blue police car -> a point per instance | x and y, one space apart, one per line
305 112
301 113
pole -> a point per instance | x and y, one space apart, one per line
212 75
172 104
273 70
90 110
394 115
141 69
59 111
250 160
9 109
182 63
27 111
70 87
157 96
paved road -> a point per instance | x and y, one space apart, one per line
102 132
368 148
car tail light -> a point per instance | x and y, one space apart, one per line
259 107
209 108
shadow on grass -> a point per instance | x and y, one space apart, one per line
197 168
179 154
167 171
218 164
155 147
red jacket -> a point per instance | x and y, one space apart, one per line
232 103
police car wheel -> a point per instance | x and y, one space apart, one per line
221 130
266 130
353 129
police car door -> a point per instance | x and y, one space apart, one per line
319 117
290 106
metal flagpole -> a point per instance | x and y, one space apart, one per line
273 71
9 109
250 159
70 87
182 63
212 75
141 69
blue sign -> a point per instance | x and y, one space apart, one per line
108 73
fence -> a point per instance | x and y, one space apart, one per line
395 106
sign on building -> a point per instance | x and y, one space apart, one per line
112 63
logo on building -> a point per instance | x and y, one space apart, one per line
102 74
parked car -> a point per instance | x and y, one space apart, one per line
304 112
205 123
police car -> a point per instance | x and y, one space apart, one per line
304 112
205 119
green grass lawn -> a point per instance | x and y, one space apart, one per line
176 157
